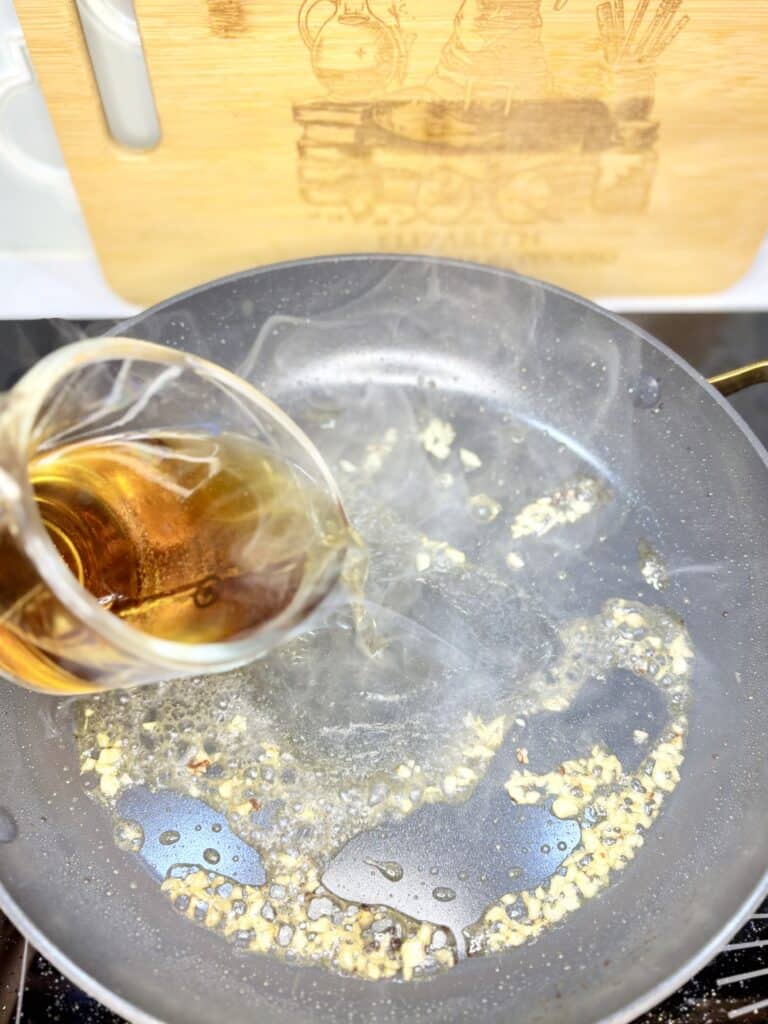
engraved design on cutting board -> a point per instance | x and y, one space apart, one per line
492 136
226 18
355 53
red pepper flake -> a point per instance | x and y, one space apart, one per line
199 766
255 804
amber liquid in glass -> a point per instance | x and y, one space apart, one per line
188 537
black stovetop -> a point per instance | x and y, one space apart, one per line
733 987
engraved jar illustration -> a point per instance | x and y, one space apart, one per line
355 54
629 88
495 51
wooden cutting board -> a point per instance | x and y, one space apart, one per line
587 145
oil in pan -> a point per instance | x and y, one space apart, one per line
485 761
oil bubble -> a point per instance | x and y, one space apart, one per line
392 871
646 392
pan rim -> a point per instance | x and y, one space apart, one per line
757 894
94 988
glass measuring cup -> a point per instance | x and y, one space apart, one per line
159 517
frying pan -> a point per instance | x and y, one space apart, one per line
492 349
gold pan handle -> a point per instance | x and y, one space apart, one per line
743 377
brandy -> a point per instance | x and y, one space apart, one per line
193 538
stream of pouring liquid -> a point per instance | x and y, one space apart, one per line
354 576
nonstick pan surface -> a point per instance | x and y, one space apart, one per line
508 361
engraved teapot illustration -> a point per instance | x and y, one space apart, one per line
355 54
